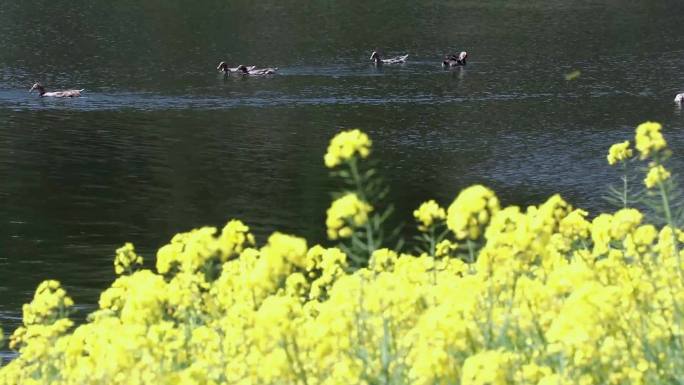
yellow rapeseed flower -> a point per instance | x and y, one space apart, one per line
345 214
619 152
428 213
345 145
445 248
552 299
471 211
126 260
648 139
656 175
486 368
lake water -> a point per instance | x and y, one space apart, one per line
161 143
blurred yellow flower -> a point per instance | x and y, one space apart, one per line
126 260
345 214
471 211
619 152
428 213
656 175
648 139
345 145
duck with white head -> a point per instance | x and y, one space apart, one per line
454 60
55 94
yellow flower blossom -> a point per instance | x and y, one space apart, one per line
648 139
487 368
445 248
623 222
619 152
552 299
50 302
471 211
383 260
345 145
345 214
126 260
574 226
656 175
428 213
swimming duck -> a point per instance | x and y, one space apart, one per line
679 98
56 94
454 60
253 71
223 67
375 58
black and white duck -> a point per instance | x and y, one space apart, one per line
375 58
56 94
454 60
254 71
223 67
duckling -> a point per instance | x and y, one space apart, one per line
454 60
679 98
253 71
375 58
223 67
56 94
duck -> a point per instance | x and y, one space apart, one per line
375 58
454 60
254 71
679 98
56 94
223 67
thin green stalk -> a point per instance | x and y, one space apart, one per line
357 179
370 237
624 184
670 222
471 250
432 241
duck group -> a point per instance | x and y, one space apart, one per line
450 60
245 70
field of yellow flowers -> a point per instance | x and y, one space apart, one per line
490 295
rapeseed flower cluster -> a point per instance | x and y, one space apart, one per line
649 139
552 296
619 152
656 175
345 146
427 214
126 260
471 211
346 213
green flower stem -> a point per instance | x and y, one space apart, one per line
433 242
624 184
370 238
471 250
670 222
357 179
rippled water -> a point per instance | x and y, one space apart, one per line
161 143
